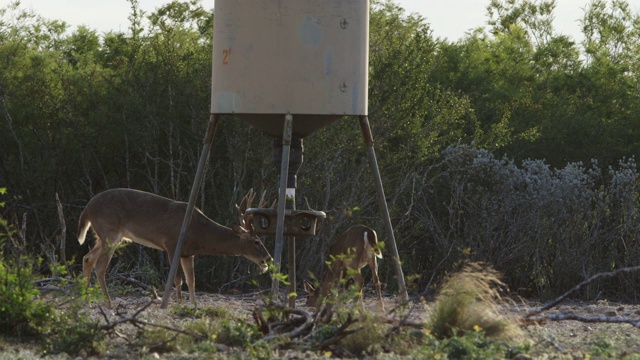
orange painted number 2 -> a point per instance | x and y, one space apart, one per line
225 56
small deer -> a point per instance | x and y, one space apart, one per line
155 221
353 250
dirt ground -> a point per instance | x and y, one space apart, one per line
571 339
566 339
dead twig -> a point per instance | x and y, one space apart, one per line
63 233
132 281
294 323
601 319
580 286
343 331
133 320
404 319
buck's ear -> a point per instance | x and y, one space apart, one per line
310 289
239 230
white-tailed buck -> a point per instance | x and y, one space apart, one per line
353 250
155 221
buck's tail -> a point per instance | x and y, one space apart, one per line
371 237
83 227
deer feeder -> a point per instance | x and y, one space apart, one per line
289 68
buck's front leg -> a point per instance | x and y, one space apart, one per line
359 281
90 259
373 265
190 277
177 281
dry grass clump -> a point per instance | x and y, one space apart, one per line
469 302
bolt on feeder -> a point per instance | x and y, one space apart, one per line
289 68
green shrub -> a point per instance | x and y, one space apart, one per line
472 345
368 338
237 333
158 340
72 332
21 312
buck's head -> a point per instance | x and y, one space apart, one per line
313 293
253 247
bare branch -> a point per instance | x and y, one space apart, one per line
580 286
63 233
109 326
601 319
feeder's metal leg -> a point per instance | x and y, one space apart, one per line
204 156
291 244
284 170
382 203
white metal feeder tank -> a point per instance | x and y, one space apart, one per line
306 58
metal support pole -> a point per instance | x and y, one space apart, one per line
204 156
382 203
291 260
284 170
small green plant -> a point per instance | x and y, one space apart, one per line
237 333
183 310
471 345
72 332
404 340
25 315
21 312
368 338
204 328
158 340
602 348
3 191
222 328
216 312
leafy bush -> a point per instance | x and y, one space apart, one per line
25 315
237 333
369 337
21 312
72 332
546 229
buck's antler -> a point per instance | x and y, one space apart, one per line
245 203
261 202
306 200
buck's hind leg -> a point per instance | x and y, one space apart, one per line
90 259
359 282
106 251
373 264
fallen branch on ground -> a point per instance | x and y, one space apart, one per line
569 316
580 286
602 319
133 320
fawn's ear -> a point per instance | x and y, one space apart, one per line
310 289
